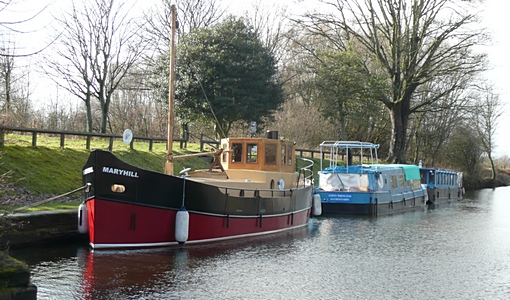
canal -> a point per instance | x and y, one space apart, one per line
456 251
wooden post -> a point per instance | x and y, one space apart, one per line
169 166
34 139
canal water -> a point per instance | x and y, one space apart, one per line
456 251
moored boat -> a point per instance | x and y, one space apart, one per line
443 186
366 188
251 190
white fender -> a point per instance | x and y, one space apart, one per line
181 225
83 221
281 184
316 205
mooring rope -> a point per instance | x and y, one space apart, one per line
47 200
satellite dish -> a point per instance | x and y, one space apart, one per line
127 136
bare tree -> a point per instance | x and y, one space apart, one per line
414 42
432 126
14 85
191 15
486 118
271 24
6 75
97 47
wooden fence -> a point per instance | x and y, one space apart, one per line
89 135
203 139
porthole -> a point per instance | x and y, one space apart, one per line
118 188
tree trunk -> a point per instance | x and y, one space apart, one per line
104 119
493 169
399 121
89 113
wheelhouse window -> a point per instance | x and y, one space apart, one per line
290 151
270 154
284 154
251 153
224 155
237 152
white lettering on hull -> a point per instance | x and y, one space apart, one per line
88 171
120 172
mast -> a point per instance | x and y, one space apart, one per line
169 166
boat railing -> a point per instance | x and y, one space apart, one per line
256 192
338 148
305 178
305 173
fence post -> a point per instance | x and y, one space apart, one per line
34 139
62 139
150 145
88 142
110 147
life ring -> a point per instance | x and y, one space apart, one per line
380 181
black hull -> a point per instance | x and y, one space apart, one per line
147 188
444 195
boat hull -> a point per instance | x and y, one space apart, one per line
370 204
444 195
130 207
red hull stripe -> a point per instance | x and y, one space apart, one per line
120 225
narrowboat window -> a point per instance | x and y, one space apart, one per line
394 182
401 180
416 184
284 155
423 176
251 153
270 154
290 151
237 152
432 178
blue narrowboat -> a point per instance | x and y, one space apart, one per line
443 186
352 182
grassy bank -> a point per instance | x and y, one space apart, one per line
48 170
